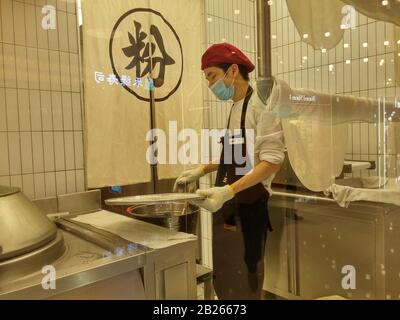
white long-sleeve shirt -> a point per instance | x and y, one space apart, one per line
269 142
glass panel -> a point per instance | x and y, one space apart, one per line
341 173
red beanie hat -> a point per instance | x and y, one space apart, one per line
221 53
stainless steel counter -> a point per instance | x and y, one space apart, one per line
170 270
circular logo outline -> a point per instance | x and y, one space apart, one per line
112 57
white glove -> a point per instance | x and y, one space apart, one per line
189 176
215 197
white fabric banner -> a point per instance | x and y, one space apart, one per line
133 48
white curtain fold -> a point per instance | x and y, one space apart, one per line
318 21
185 106
388 10
315 129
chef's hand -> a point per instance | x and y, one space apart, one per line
215 197
189 176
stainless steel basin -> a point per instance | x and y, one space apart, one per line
178 216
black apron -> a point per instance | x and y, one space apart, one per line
237 254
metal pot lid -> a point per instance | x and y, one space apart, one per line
23 227
153 198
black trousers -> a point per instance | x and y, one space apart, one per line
238 255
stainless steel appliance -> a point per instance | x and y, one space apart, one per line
87 262
30 241
27 236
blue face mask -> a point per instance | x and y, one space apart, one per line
221 91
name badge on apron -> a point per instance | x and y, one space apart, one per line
236 140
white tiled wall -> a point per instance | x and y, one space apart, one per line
232 21
351 73
41 132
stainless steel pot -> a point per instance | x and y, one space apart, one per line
178 216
